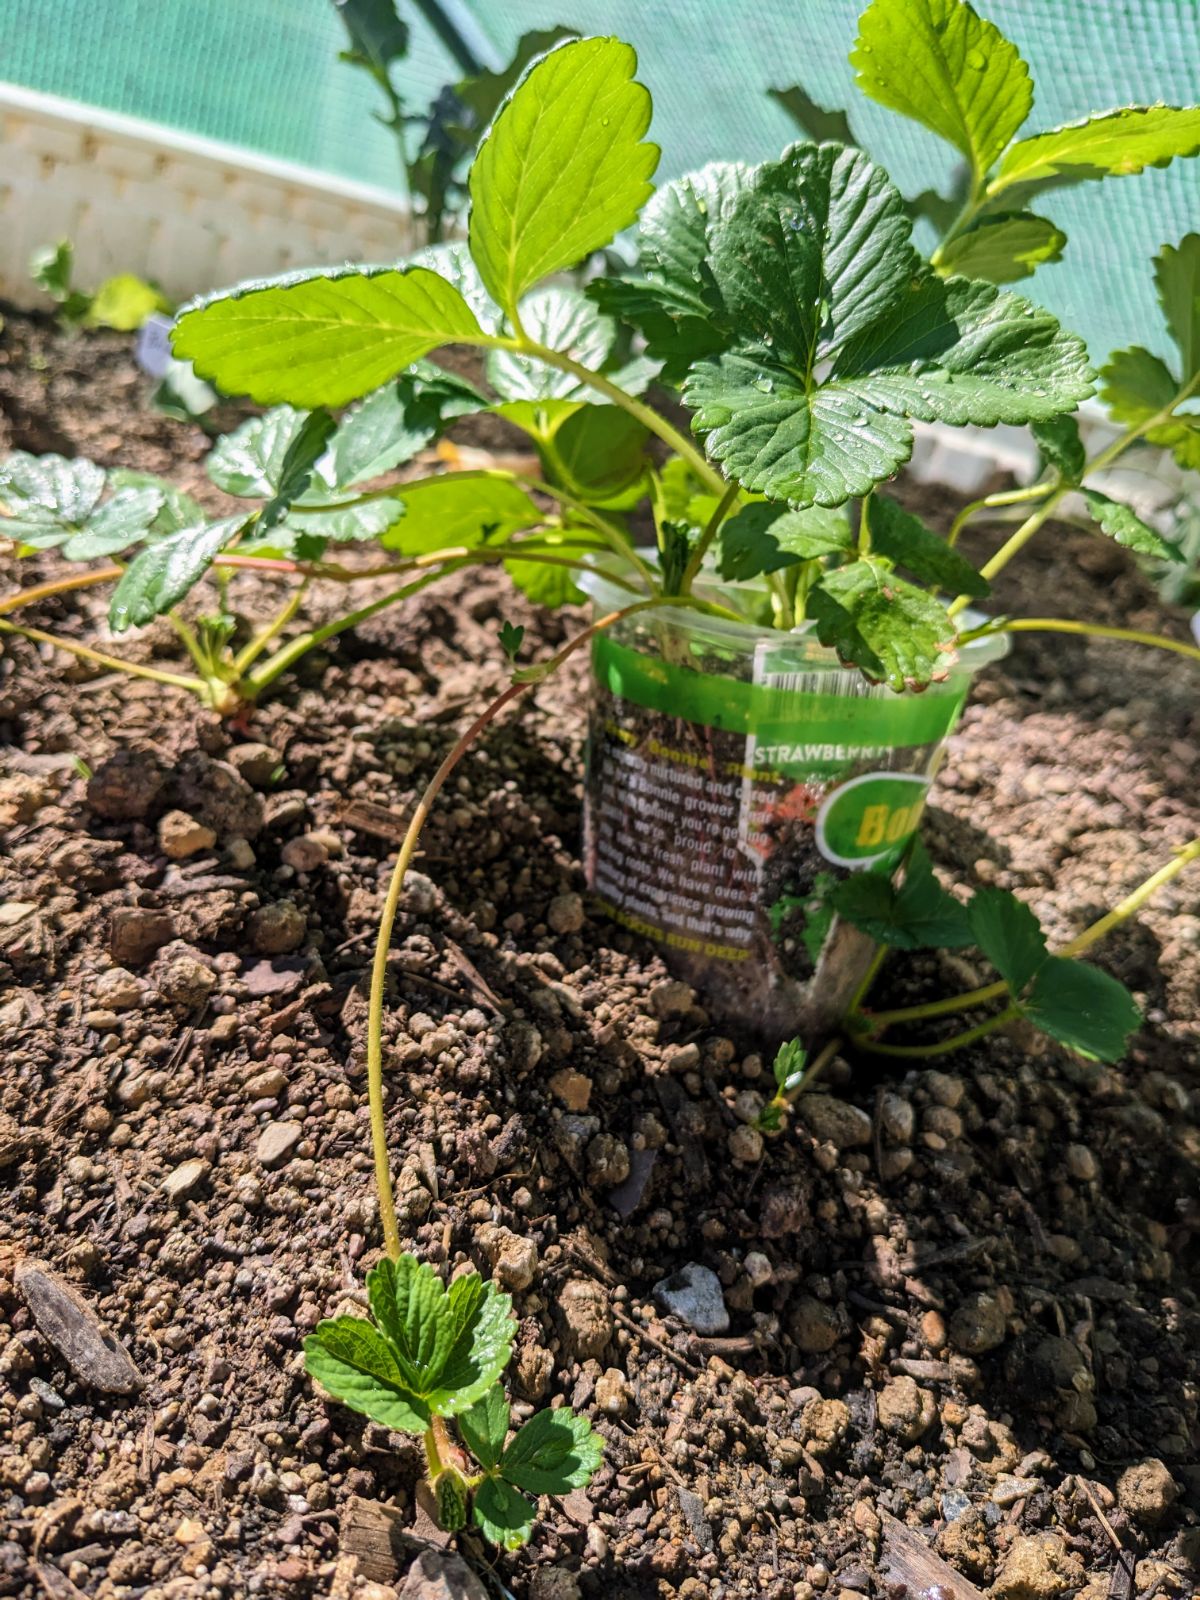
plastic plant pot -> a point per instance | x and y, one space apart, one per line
735 774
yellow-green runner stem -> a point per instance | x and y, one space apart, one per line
133 669
1007 497
1097 630
383 942
919 1052
247 657
868 978
47 591
1091 935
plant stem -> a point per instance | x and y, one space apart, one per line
646 415
1011 546
1008 497
872 972
247 657
919 1052
1098 630
47 591
971 207
383 942
696 559
1091 935
130 668
436 1441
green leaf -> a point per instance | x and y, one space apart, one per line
484 93
566 321
1110 144
178 510
841 334
1061 447
940 63
887 627
904 539
1004 247
115 525
1126 527
365 520
503 1515
553 1453
674 304
1134 385
563 168
1177 274
456 510
377 34
511 639
124 303
354 1363
482 1326
68 489
249 461
52 268
919 915
322 338
1009 934
814 122
373 437
299 463
790 1061
484 1426
159 576
553 586
1083 1008
408 1301
596 452
765 536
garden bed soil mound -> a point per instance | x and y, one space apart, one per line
964 1297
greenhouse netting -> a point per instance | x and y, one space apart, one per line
264 74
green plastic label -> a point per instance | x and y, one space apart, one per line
870 818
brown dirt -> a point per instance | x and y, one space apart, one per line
984 1272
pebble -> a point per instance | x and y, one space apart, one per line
897 1119
276 1142
565 913
1036 1567
70 1326
758 1268
305 853
586 1320
187 1177
256 763
514 1258
746 1145
117 990
183 979
135 933
979 1325
693 1294
277 929
572 1088
1081 1163
814 1325
613 1394
1007 1490
1147 1491
671 999
266 1085
834 1121
944 1090
906 1409
607 1161
181 836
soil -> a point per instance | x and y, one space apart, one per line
963 1296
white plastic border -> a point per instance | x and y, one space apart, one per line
189 213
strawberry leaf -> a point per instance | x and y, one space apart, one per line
1083 1008
160 575
484 1426
919 915
1004 247
356 1364
904 539
1109 144
1009 934
890 629
553 1453
502 1514
1126 527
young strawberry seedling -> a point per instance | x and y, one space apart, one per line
431 1356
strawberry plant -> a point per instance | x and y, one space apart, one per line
432 1355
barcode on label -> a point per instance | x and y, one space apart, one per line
849 685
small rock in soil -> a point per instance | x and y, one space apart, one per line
438 1575
305 853
135 933
693 1294
214 793
979 1325
276 1142
587 1321
68 1323
565 913
1037 1567
126 787
1147 1491
835 1122
277 929
572 1088
906 1410
256 763
815 1326
181 836
182 978
117 990
613 1394
187 1177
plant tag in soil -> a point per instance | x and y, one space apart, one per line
727 798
